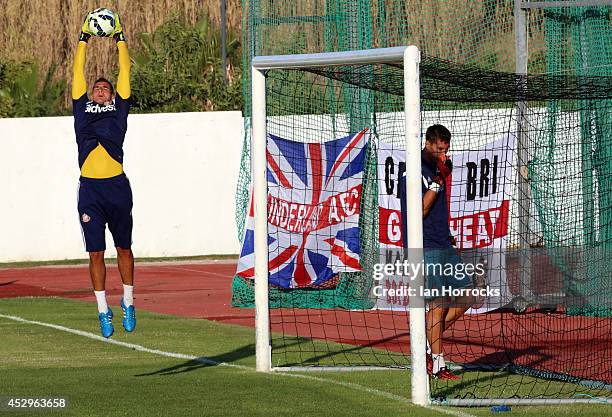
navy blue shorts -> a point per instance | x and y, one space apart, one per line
445 269
101 202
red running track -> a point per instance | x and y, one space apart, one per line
552 342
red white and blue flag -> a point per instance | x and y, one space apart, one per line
314 197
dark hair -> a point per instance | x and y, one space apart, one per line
102 79
438 132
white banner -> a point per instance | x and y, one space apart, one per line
478 199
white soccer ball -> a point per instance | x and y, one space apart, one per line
101 22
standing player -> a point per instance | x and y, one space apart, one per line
437 248
105 195
438 252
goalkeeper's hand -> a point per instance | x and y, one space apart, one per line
437 184
445 166
85 32
445 169
117 32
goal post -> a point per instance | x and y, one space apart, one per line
414 222
408 56
321 145
263 354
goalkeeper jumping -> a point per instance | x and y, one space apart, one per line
105 196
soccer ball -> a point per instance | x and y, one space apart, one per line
101 22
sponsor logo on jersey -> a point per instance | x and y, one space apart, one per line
85 218
92 107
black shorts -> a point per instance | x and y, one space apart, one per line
103 201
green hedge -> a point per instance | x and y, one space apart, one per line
24 94
177 69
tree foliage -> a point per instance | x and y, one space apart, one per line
24 94
178 69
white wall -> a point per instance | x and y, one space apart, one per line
182 167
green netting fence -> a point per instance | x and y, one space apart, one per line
563 41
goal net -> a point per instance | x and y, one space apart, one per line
530 199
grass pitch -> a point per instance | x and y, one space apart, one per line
103 379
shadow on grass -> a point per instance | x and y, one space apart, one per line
338 353
249 351
206 361
486 378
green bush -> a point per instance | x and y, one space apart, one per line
178 68
23 94
5 100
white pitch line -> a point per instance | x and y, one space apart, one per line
133 346
208 361
374 391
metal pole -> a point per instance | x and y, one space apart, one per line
330 59
263 359
486 402
520 27
414 222
524 192
223 40
574 3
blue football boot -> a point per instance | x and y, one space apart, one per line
129 317
106 323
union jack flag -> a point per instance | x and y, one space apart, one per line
314 197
